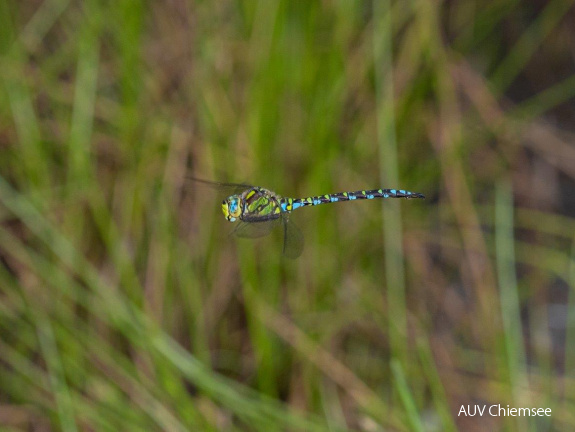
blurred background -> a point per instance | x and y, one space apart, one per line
126 305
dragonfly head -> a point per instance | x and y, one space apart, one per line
232 208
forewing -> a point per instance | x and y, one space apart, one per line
254 229
226 188
293 241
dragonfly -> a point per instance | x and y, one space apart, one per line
256 210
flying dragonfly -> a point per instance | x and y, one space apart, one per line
257 210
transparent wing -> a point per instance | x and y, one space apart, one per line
255 229
293 239
226 188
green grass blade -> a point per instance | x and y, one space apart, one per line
389 173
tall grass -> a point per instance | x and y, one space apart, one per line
125 304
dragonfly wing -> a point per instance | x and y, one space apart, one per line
293 239
254 229
228 188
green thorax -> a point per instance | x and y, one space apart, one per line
260 204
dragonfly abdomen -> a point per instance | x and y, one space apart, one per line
289 204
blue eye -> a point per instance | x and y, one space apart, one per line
233 206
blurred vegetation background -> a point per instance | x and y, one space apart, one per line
126 305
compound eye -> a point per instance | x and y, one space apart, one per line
231 207
238 207
234 206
